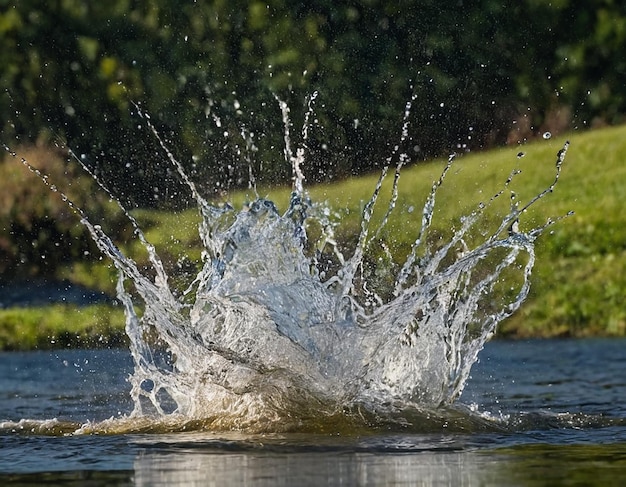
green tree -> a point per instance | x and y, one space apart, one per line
206 72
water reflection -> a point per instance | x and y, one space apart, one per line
526 465
310 468
169 463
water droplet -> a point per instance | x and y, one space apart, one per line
546 135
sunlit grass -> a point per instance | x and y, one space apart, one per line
580 276
579 280
61 326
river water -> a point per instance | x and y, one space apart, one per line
545 413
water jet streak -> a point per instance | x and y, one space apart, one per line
263 338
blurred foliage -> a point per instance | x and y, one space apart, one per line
206 72
40 234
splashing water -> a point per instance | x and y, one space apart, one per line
267 337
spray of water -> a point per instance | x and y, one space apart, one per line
265 336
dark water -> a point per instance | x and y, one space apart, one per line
557 409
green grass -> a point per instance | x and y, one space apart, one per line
578 284
61 326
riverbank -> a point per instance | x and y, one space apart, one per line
578 283
57 326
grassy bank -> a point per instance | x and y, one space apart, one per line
579 281
61 326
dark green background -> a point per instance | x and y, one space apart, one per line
70 69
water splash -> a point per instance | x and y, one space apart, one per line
268 336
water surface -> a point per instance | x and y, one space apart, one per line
542 413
